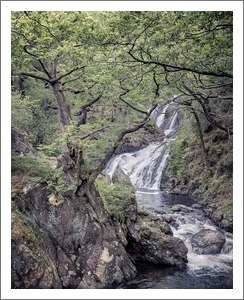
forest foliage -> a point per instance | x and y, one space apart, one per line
84 77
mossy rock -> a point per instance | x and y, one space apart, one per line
20 230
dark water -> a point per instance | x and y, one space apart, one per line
203 271
157 201
151 276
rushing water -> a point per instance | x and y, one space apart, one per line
145 169
203 271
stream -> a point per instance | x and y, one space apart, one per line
203 271
145 168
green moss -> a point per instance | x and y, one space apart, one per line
228 206
18 182
36 169
187 173
139 220
20 230
26 169
111 250
116 197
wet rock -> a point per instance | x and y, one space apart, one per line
175 225
157 244
181 207
120 177
196 206
208 241
167 218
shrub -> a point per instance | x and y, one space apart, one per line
116 197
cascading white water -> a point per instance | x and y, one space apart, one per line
204 271
145 168
142 166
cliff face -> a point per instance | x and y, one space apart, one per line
80 239
76 245
73 245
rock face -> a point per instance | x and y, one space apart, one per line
215 212
79 248
157 243
75 243
208 241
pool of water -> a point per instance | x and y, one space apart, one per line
202 271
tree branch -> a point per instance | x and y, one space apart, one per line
44 69
157 85
206 113
28 51
44 27
19 33
173 68
99 169
120 97
82 113
74 79
75 91
35 76
87 105
68 73
100 129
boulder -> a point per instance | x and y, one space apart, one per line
120 177
181 207
196 206
207 241
167 218
157 244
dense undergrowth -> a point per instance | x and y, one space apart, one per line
116 197
188 174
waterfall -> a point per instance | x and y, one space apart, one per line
145 167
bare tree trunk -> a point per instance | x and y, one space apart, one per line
64 116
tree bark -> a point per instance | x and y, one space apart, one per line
64 116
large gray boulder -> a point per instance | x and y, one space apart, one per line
207 241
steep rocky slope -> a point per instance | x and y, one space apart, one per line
77 241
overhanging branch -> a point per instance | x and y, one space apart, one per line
103 163
173 68
127 103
